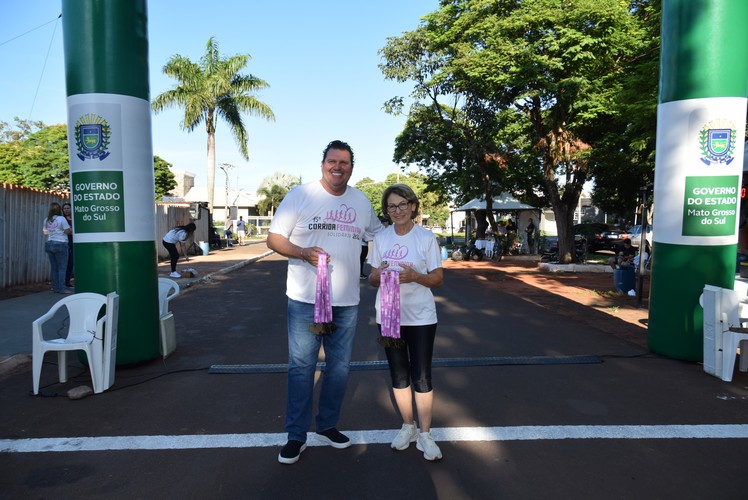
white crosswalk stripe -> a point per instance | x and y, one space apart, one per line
449 434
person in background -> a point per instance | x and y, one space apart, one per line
228 231
530 234
364 253
57 229
67 212
241 230
413 252
625 256
316 222
179 234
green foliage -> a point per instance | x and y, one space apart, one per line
35 155
272 197
213 88
22 130
528 87
37 159
624 158
273 189
286 181
431 197
163 177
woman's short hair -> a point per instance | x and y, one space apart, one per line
404 191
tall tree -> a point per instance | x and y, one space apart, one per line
624 158
271 197
163 177
273 189
284 180
210 89
451 132
38 160
550 70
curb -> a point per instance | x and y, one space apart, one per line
225 270
11 365
574 268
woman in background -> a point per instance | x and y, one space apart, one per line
57 229
179 234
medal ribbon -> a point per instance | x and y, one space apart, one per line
389 304
322 300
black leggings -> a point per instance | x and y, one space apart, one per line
173 253
412 362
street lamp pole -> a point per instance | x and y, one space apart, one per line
226 167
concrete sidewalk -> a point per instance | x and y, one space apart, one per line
19 313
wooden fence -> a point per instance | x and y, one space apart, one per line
22 211
22 256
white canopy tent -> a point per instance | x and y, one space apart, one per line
504 203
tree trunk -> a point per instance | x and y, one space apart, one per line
211 169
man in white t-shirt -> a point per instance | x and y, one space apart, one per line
240 230
331 217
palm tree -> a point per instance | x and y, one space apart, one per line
210 89
272 196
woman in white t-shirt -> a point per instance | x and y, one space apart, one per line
57 229
176 235
414 253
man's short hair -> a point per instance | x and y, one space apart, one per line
336 144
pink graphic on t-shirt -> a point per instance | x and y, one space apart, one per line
345 215
397 252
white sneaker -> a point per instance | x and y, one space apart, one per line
406 435
175 275
426 444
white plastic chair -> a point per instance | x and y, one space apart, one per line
86 332
167 290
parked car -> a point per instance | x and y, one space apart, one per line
635 235
549 247
600 236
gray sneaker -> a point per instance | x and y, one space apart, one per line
426 444
406 435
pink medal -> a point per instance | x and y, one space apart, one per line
389 309
323 324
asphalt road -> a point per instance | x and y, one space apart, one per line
529 404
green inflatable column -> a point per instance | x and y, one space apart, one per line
700 135
111 164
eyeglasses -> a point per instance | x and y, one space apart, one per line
402 207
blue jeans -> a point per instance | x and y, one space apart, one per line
303 352
57 251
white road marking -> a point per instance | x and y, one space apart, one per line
448 434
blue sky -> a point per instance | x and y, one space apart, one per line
320 59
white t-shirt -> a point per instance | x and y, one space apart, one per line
175 236
56 229
420 250
309 216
